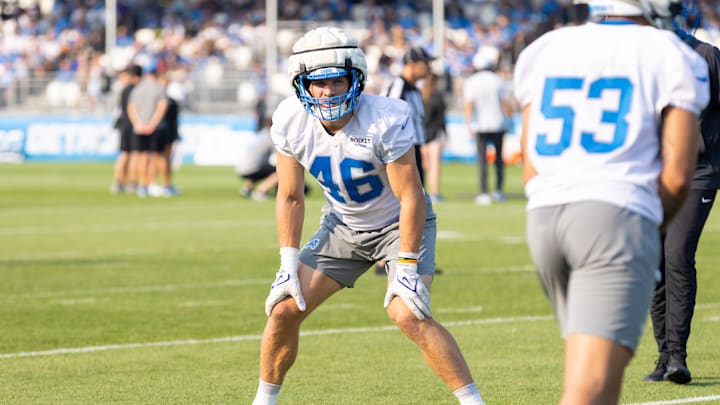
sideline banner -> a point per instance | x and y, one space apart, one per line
205 140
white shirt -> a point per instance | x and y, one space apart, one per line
486 90
258 154
597 92
350 165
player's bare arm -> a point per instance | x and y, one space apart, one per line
289 214
467 114
680 138
158 115
290 201
528 169
405 182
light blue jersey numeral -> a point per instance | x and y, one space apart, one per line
566 113
322 171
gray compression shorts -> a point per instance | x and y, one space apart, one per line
598 264
344 254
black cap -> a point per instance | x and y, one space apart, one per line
417 54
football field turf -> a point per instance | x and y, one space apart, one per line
115 299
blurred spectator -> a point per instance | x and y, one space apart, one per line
125 172
416 65
169 130
205 44
256 165
487 113
146 109
435 133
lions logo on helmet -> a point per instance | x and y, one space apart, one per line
327 53
660 13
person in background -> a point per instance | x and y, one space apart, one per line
435 133
609 139
416 66
169 130
146 109
360 148
673 304
256 165
487 112
125 172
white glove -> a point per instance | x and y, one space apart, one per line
287 283
408 285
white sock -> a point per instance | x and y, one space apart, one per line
267 394
469 395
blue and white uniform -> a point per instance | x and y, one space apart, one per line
594 96
596 108
350 165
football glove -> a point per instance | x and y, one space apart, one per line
287 283
408 285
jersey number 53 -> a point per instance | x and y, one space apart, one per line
566 113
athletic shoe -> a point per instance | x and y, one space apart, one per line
498 195
483 199
155 190
677 370
660 368
116 188
258 195
172 191
245 192
142 191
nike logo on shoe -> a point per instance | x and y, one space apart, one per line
704 200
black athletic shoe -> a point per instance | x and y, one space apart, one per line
660 369
677 370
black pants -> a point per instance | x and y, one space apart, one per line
674 301
481 140
418 161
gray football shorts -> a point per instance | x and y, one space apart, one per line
598 264
344 254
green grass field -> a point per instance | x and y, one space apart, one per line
114 299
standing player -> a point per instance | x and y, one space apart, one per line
487 111
146 109
124 174
674 301
360 149
609 143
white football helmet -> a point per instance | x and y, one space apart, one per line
326 53
660 13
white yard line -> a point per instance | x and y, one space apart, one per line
140 288
694 400
319 332
113 228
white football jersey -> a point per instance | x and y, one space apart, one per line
597 92
486 90
350 165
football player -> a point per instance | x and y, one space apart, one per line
359 147
610 138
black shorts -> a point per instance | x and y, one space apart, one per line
262 173
167 138
126 141
146 143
